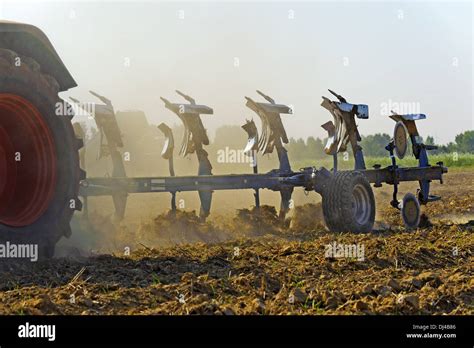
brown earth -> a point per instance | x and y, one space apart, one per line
251 263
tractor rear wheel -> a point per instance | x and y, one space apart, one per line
348 203
39 163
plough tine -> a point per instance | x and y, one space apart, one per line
120 202
273 132
108 127
195 137
206 198
168 147
167 153
331 146
285 204
252 143
80 134
273 136
205 168
346 131
251 150
264 144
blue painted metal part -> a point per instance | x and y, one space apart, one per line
421 154
273 180
360 110
359 160
413 117
283 159
205 196
407 117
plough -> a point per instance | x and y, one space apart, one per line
347 197
41 179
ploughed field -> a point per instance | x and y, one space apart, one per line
249 263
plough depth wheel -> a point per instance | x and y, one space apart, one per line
39 163
348 203
410 211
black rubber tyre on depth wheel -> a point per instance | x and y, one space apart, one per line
348 203
39 163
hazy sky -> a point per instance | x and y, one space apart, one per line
384 54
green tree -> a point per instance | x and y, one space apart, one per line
429 140
374 144
296 149
314 148
232 136
465 141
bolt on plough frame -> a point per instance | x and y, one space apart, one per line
347 197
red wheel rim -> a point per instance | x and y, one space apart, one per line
27 162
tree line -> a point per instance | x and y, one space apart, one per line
374 145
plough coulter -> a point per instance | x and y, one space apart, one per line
347 197
40 153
